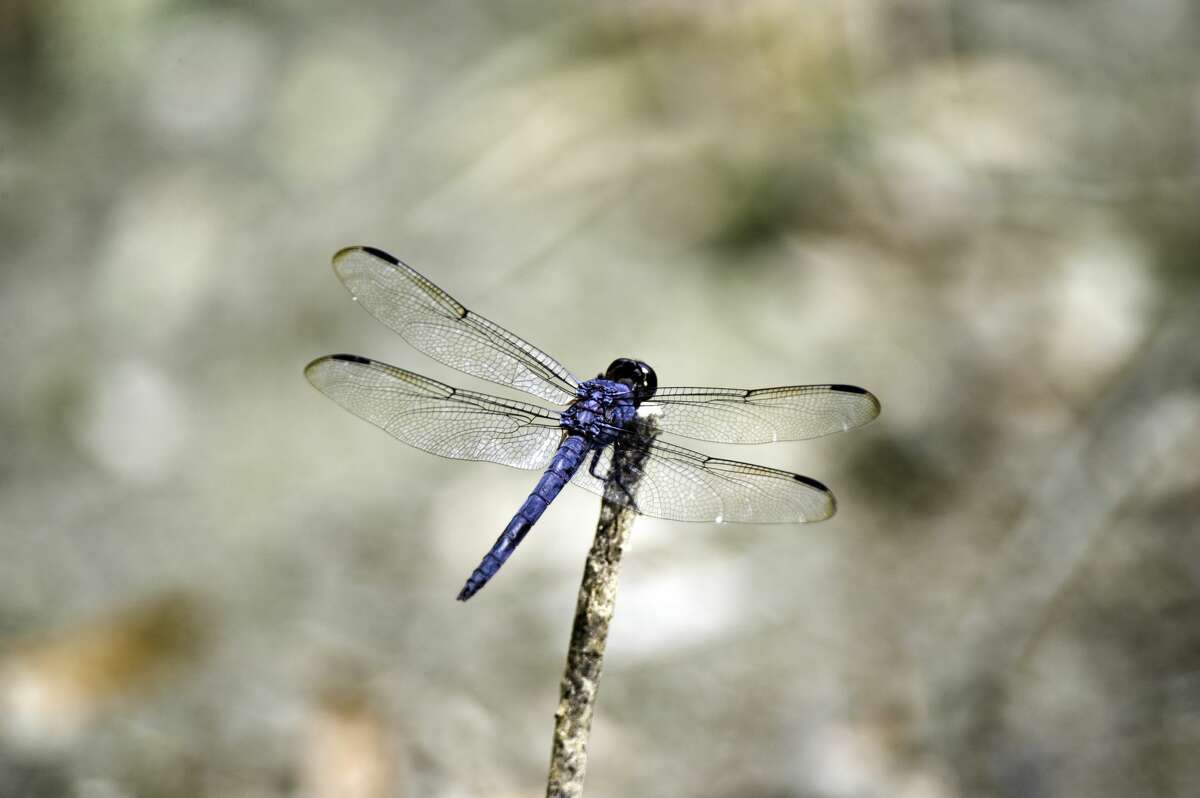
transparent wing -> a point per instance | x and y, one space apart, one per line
429 415
762 415
682 485
433 322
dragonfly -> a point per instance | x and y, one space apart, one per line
596 425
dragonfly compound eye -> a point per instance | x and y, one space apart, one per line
634 373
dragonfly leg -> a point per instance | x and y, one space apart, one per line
613 476
595 462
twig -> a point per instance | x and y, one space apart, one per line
593 612
585 657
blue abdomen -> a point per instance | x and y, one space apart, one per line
566 462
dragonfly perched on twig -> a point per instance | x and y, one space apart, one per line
596 418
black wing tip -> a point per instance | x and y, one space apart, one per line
379 253
820 487
366 361
854 389
812 483
321 361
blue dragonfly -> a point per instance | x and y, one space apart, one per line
598 420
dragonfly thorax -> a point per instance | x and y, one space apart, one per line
603 408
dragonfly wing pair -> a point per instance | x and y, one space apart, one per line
676 483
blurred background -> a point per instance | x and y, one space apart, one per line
215 582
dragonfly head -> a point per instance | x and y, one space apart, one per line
634 373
